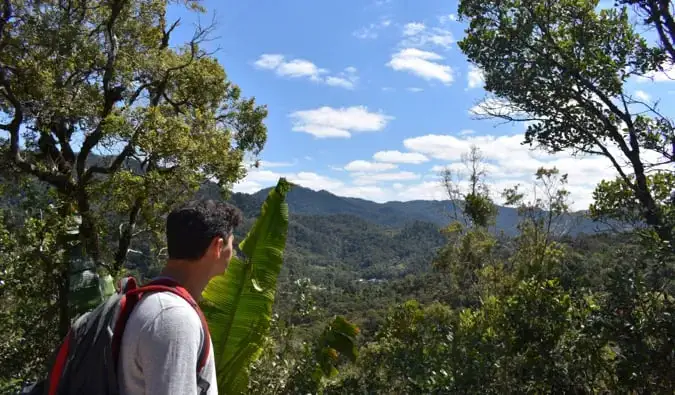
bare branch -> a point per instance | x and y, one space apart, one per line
166 35
110 95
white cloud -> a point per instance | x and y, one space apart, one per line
371 31
363 186
413 28
415 90
341 82
365 166
327 122
495 106
414 37
269 61
346 79
667 74
400 157
293 68
373 178
443 19
269 164
508 162
421 63
466 132
475 77
642 95
301 68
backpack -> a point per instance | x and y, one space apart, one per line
86 360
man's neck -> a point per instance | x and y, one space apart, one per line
188 275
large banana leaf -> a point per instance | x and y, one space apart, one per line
238 303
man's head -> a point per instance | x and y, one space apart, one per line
201 233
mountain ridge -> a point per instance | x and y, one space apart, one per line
397 214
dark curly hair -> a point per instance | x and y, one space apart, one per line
191 228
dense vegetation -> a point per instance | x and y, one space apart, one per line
485 300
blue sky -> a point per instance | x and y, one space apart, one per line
370 98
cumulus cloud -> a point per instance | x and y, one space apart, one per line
346 79
413 28
371 31
642 95
494 106
328 122
264 164
373 178
417 35
293 68
365 166
508 162
475 77
363 185
400 157
302 68
423 64
443 19
666 74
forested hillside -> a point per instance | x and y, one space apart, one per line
306 201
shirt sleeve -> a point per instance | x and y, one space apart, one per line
169 350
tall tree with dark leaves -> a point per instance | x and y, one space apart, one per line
96 104
563 66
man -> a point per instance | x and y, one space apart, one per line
163 338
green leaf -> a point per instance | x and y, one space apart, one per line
238 304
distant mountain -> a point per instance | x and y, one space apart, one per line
304 201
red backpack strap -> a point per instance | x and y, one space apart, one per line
132 296
59 364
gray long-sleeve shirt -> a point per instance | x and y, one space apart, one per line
160 349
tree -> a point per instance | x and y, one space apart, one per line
98 106
563 66
28 257
470 244
542 222
476 208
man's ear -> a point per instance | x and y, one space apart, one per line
227 246
216 247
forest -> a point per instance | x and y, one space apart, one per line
105 127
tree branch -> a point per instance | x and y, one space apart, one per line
60 181
110 95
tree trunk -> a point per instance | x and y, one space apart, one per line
651 211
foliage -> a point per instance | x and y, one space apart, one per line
29 281
319 362
287 367
537 251
470 245
238 304
636 322
616 200
563 66
114 120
